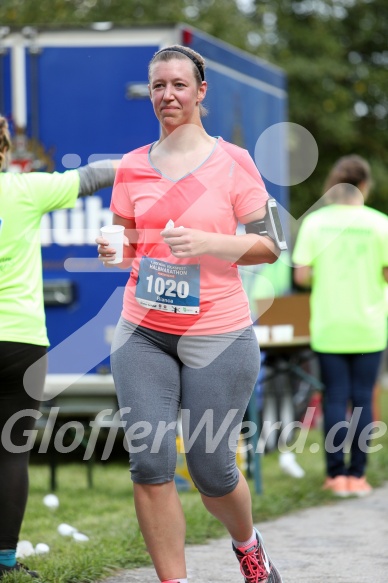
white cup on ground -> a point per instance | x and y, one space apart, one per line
51 501
41 549
24 549
80 537
282 333
262 333
115 235
66 529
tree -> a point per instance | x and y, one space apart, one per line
334 52
335 55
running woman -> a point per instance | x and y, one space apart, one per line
185 339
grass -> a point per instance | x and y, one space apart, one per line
106 513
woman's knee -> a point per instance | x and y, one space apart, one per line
213 481
151 468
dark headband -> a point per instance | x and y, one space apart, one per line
197 63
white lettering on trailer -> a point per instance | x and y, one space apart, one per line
78 226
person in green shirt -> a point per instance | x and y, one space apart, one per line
341 251
24 199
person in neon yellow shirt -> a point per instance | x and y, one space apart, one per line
342 252
24 199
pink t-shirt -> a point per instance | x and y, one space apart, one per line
225 187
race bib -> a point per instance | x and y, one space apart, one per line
168 287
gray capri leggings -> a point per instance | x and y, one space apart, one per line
210 378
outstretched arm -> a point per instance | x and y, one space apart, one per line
100 174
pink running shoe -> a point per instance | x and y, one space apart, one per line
255 564
338 486
358 486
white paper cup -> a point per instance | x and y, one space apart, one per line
41 549
66 530
282 333
24 549
80 537
262 333
51 501
115 235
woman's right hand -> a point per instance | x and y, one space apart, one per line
106 254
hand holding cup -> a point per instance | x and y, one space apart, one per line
111 244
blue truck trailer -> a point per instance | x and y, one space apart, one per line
78 95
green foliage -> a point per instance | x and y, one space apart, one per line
334 52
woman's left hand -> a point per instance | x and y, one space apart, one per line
186 242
